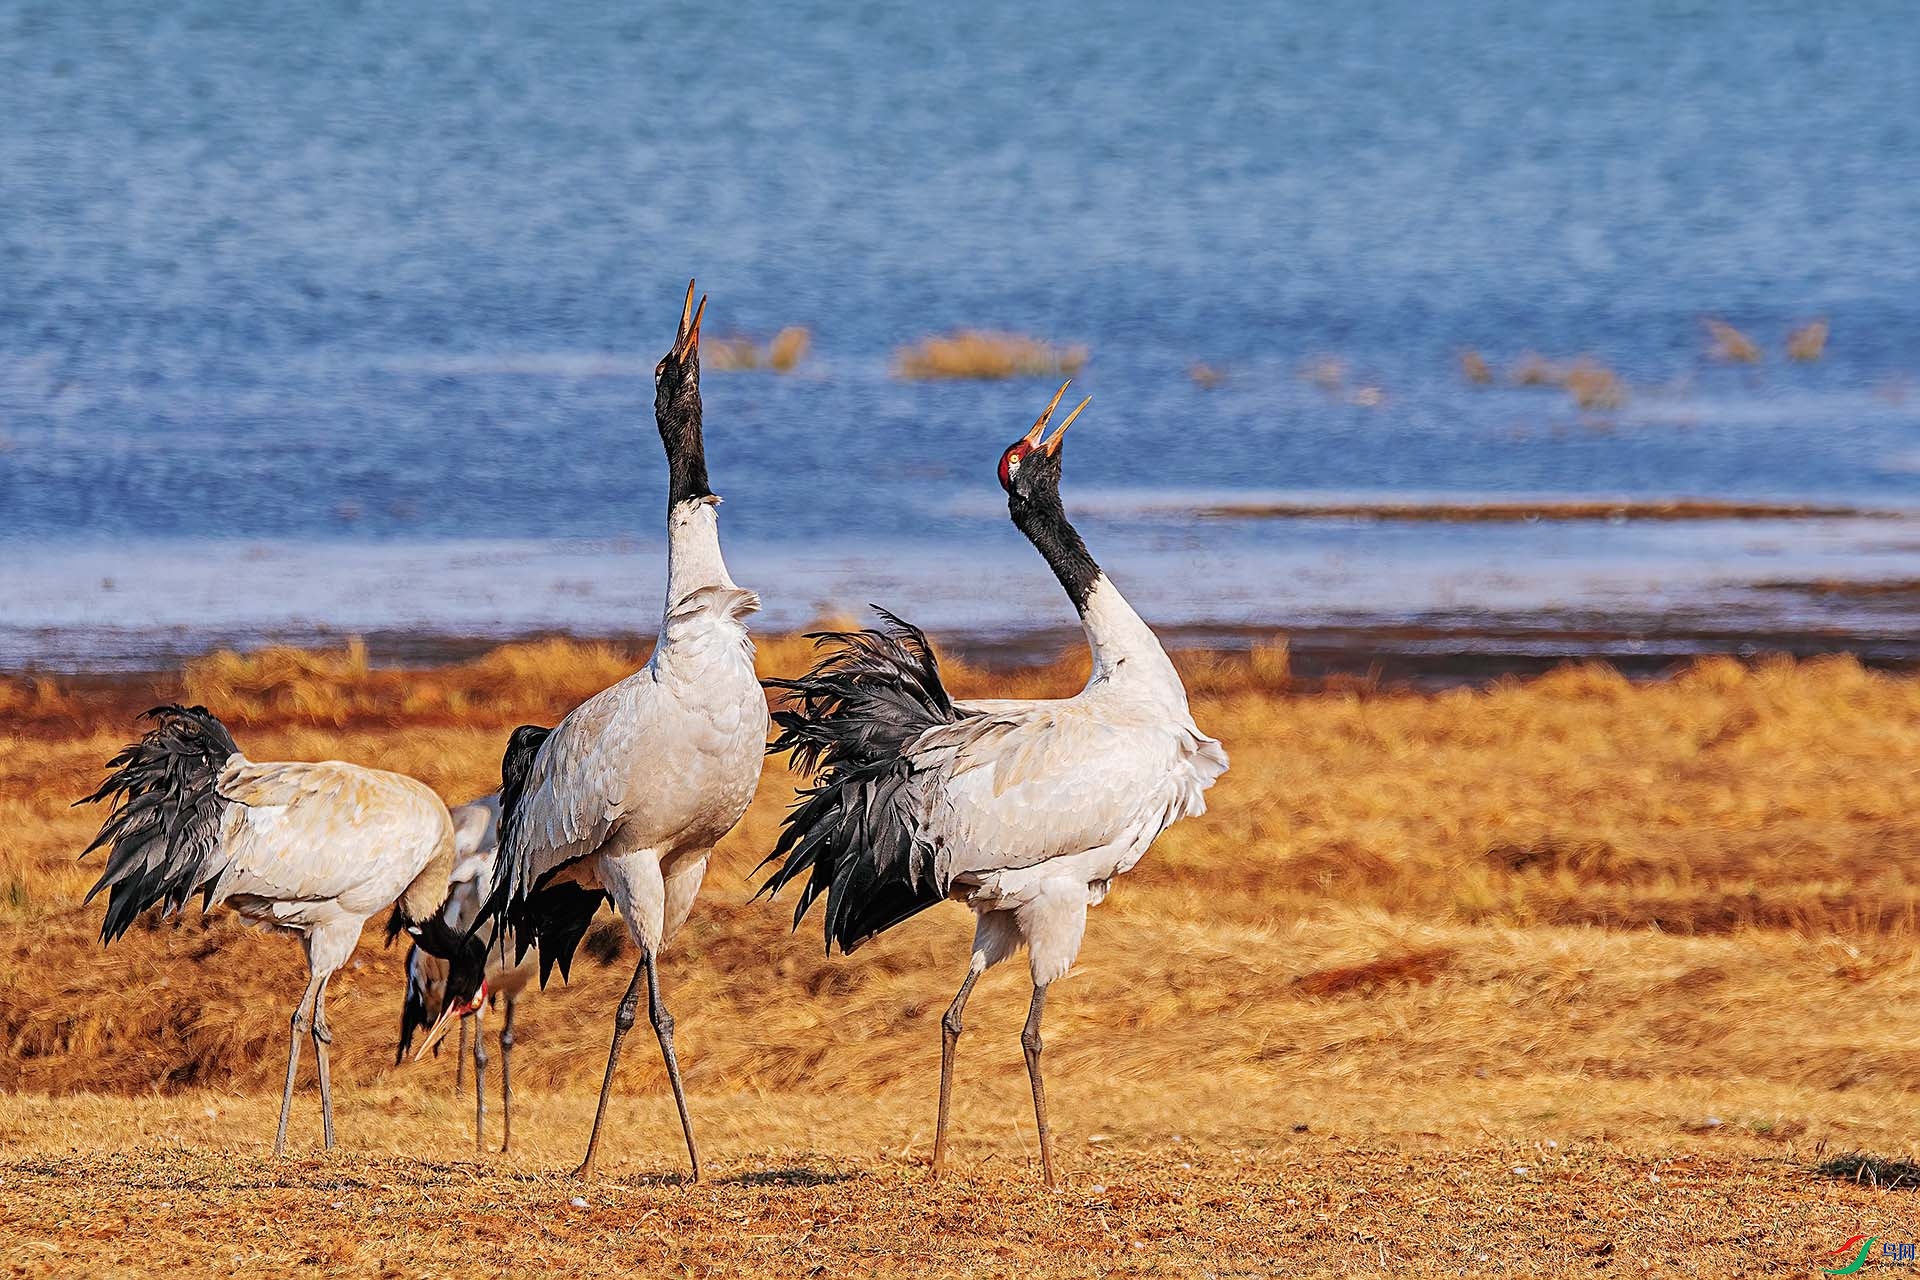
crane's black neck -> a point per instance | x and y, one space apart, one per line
1043 518
679 424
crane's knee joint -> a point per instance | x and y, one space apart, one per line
322 1034
950 1024
1030 1041
301 1022
623 1018
506 1041
662 1021
480 1056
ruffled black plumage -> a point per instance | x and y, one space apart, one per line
553 917
851 722
164 831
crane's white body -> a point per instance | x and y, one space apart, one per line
633 789
318 849
310 849
1034 806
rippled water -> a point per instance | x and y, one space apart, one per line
355 291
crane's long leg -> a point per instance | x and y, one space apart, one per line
322 1037
302 1023
506 1074
460 1058
950 1028
1030 1042
663 1028
622 1023
479 1084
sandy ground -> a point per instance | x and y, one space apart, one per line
1534 1184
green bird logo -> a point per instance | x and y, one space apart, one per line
1859 1259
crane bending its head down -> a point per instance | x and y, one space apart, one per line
466 986
314 849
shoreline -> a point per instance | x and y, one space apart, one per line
1432 653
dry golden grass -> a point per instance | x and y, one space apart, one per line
1652 944
1808 343
974 353
742 355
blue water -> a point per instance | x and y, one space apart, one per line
343 282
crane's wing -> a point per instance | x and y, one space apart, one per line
576 790
1021 784
304 831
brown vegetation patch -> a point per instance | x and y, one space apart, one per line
781 354
1731 345
974 353
1808 343
1406 969
1513 512
1589 383
1871 589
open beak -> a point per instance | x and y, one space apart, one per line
1052 445
1040 423
686 339
448 1016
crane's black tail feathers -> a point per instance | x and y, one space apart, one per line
850 722
554 917
164 831
551 917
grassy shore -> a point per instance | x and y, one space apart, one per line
1546 977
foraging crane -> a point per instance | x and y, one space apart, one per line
315 850
476 832
1023 809
626 798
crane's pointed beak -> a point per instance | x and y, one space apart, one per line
686 339
1040 424
1052 445
692 343
448 1016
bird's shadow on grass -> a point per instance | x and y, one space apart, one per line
797 1177
1872 1171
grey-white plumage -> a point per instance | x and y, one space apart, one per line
312 849
628 795
1026 810
1032 808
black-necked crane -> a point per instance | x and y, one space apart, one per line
311 849
628 795
429 995
1026 810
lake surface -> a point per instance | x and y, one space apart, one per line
343 318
